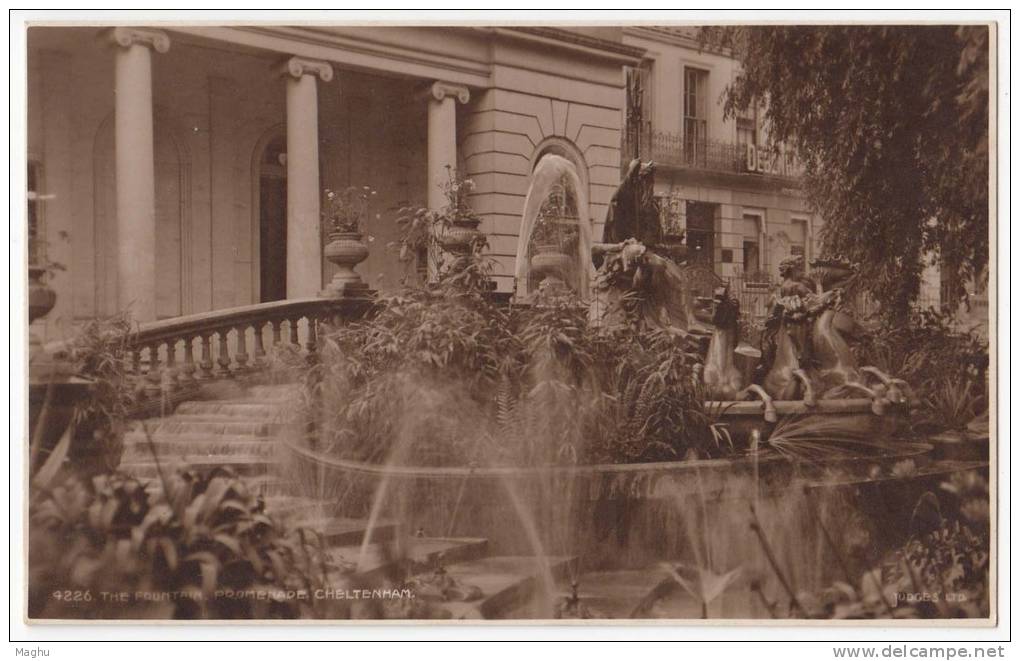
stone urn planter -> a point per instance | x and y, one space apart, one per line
41 298
551 265
460 236
346 250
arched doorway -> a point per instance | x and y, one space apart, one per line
272 213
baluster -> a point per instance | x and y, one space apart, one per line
171 364
207 363
153 381
224 358
260 349
311 345
293 331
188 372
138 382
242 347
277 339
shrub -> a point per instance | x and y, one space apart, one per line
534 384
948 368
100 353
946 558
196 546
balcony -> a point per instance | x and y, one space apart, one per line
688 152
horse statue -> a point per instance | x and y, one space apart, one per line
833 328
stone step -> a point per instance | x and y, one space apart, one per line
626 593
269 485
241 464
205 447
423 554
296 509
273 393
505 582
206 425
339 531
233 408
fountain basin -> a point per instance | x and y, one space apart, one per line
851 417
623 514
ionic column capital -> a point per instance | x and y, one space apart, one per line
125 37
439 90
299 66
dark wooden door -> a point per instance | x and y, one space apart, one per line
701 233
272 239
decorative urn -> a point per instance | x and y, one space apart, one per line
345 250
551 264
460 235
41 298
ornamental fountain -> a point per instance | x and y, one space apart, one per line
656 524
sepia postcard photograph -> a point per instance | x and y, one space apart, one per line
522 321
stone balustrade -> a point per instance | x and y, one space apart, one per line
170 354
176 355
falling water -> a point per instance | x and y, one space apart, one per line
550 171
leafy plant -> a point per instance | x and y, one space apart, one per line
536 381
199 547
346 210
941 571
948 367
100 352
422 231
954 403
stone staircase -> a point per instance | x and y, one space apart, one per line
240 429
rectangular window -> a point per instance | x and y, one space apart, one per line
695 115
701 232
750 229
747 127
799 239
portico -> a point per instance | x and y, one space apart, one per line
181 161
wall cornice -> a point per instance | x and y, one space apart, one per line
663 34
371 49
576 41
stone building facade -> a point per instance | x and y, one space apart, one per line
739 203
180 170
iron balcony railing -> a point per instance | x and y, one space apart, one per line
697 153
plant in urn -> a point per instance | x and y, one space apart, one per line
553 240
447 237
345 247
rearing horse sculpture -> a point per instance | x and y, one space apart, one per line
832 328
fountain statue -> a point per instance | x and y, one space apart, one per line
632 211
806 364
551 172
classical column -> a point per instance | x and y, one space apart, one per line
304 243
135 169
442 136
